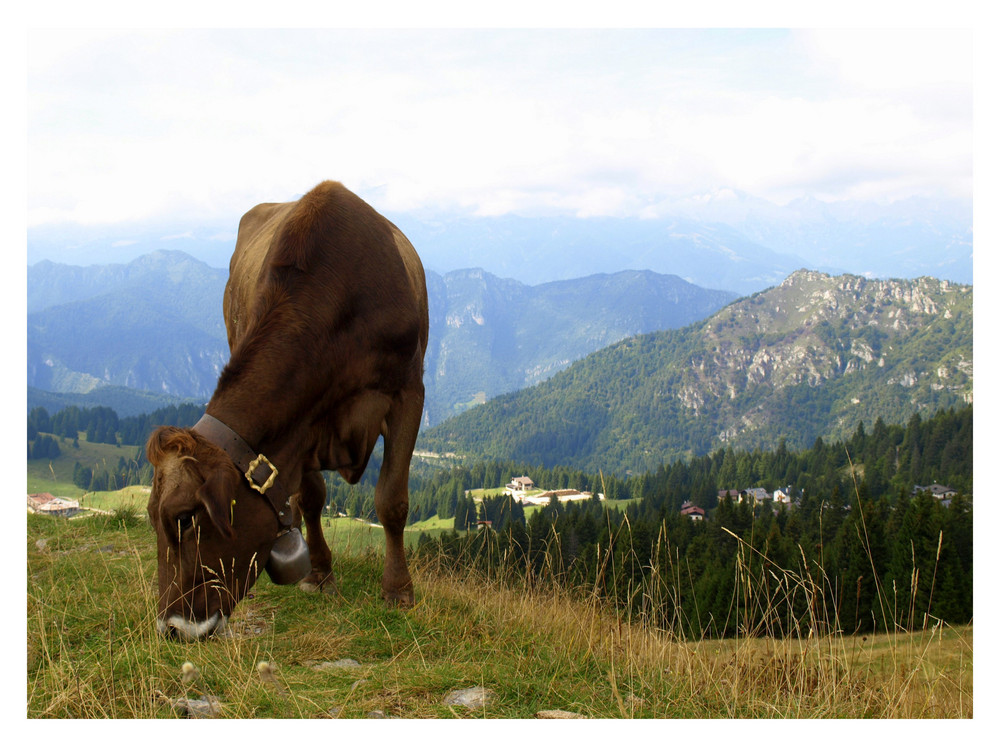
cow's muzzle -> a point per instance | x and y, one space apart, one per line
177 626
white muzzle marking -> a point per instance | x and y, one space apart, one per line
191 630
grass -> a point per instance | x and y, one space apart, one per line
56 475
92 650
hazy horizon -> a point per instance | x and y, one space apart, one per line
187 129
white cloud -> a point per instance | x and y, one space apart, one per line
133 126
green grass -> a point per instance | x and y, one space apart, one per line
56 475
351 536
92 650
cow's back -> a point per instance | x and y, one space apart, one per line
345 267
246 267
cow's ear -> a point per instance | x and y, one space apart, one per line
217 496
167 439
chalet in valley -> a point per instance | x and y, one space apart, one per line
757 495
942 492
50 505
521 484
695 513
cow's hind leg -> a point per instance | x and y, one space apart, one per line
311 501
392 502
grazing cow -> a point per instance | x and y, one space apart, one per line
326 315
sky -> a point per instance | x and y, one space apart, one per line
195 126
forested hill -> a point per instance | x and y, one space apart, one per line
809 358
493 335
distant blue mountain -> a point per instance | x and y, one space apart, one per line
538 250
724 240
155 324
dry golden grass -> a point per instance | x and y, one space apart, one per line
93 651
907 675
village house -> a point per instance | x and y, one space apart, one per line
695 513
942 492
50 505
521 483
938 491
758 495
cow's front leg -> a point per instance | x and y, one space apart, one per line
392 494
311 501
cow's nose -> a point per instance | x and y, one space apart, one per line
180 627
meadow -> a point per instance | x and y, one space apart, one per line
92 649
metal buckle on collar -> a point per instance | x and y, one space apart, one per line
261 459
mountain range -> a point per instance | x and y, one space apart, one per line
155 324
724 239
808 358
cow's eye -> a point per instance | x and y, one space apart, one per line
183 522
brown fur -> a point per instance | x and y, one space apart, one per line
326 315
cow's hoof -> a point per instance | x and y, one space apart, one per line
401 599
314 583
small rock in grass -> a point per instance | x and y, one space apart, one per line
473 697
558 714
207 707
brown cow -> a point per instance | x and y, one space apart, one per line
326 314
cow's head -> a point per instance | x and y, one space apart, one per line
213 533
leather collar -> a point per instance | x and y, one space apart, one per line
258 470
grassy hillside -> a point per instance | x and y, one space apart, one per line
56 475
92 650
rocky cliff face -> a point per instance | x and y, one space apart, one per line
911 336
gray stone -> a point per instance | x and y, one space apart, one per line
207 707
558 714
473 697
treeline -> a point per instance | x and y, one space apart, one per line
105 476
859 551
103 426
887 459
